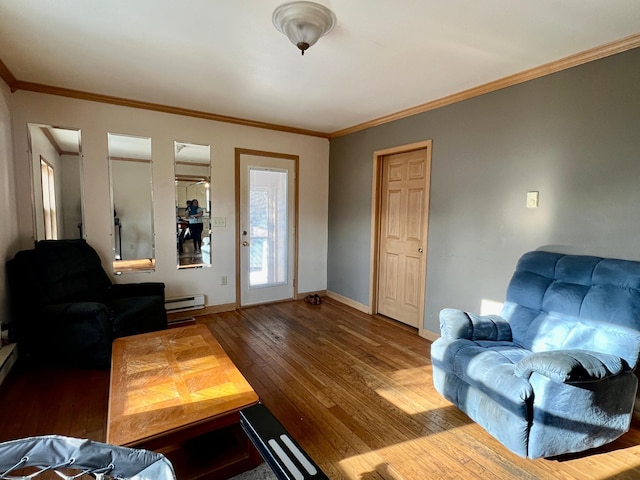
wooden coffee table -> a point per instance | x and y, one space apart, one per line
177 392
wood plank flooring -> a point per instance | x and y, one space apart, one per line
354 390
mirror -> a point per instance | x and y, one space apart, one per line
130 171
193 204
56 173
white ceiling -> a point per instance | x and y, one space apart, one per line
225 57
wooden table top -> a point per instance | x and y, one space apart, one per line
163 381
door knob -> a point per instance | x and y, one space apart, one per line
420 250
245 244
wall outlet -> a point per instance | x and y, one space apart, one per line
223 280
218 221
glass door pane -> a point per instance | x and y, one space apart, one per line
268 238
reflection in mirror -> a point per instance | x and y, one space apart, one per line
193 204
130 168
56 173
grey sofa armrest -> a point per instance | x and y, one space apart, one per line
455 324
571 366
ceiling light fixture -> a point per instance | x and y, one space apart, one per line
303 22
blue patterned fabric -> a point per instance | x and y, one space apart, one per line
553 373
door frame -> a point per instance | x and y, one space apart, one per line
260 153
376 202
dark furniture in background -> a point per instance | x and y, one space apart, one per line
65 310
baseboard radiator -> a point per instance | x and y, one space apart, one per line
185 303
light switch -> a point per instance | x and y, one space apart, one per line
218 221
532 199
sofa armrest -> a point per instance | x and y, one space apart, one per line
74 311
79 333
122 290
571 366
456 324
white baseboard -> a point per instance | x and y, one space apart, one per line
347 301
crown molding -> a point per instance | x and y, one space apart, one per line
612 48
156 107
7 76
618 46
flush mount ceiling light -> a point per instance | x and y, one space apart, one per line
303 22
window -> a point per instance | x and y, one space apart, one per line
47 176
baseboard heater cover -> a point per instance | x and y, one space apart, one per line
184 303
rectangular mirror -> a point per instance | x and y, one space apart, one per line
193 204
130 171
56 173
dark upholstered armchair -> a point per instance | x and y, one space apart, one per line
65 310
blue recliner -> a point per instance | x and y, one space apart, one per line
554 372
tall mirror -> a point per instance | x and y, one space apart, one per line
56 173
130 169
193 204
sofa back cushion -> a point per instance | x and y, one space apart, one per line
557 301
57 271
71 270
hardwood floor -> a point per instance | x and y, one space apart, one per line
354 390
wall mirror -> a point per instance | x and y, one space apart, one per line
193 204
55 154
130 171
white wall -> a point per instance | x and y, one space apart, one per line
96 120
9 207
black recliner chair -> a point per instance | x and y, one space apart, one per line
65 310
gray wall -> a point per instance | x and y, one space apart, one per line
574 136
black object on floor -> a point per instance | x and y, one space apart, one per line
281 452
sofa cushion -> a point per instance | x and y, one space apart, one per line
69 271
557 301
488 366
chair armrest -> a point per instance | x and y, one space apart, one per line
75 312
456 324
571 366
78 334
121 290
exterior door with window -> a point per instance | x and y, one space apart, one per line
267 228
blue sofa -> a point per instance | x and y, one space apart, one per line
554 372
